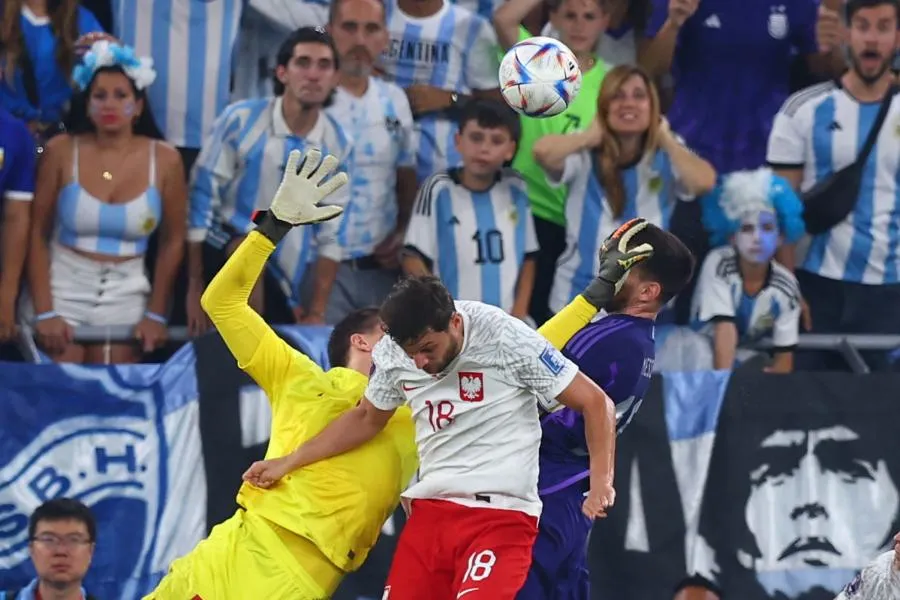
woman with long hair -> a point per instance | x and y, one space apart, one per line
103 188
627 164
579 24
40 41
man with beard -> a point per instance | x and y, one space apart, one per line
376 115
855 265
617 353
241 165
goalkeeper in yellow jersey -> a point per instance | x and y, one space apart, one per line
298 539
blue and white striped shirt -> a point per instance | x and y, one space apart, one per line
822 129
239 171
191 43
476 241
454 50
381 125
651 189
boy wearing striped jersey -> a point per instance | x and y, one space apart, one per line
241 165
855 265
617 352
298 539
439 52
472 226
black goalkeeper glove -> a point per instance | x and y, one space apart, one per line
615 262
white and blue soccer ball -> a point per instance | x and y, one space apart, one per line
539 77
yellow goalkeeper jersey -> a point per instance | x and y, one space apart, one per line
340 504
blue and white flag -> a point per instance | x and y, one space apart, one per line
124 440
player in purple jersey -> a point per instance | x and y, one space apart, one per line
617 352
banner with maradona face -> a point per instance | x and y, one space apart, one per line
124 440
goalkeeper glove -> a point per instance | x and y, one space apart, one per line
615 262
302 188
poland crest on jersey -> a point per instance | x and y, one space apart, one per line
778 22
104 436
471 386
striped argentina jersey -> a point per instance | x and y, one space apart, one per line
774 310
651 189
476 242
381 125
191 44
821 130
239 170
454 50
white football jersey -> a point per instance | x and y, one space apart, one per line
477 426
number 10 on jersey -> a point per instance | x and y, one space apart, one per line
489 246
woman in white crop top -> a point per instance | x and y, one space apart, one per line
102 190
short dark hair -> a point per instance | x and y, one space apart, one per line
335 4
63 509
854 6
304 35
416 305
359 321
672 264
490 114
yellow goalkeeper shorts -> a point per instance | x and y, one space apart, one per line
245 557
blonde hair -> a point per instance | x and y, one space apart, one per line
63 23
610 151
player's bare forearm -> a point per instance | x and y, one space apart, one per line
599 413
413 265
350 430
524 287
600 434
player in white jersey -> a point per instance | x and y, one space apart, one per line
853 264
240 168
878 581
376 115
472 226
475 378
439 52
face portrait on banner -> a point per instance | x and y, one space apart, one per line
801 496
819 499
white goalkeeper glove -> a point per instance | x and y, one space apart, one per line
305 184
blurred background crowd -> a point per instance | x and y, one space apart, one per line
138 139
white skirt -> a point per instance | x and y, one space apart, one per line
92 293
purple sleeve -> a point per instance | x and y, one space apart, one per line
803 26
615 365
659 12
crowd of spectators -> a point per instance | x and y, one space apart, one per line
139 139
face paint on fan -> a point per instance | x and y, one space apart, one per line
757 237
128 109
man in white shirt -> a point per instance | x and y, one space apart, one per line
376 116
475 379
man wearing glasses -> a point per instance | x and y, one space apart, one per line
62 533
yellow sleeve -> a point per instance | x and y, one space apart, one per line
258 349
567 322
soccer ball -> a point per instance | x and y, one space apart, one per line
539 77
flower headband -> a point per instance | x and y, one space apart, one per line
751 191
110 54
